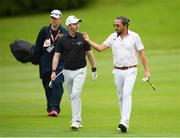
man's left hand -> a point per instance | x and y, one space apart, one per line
94 74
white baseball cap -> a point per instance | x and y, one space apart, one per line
72 19
56 14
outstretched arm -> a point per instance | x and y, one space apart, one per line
96 46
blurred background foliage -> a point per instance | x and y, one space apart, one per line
24 7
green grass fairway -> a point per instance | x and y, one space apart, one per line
22 98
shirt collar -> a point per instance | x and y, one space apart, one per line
129 32
76 35
60 28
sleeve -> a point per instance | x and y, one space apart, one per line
107 42
38 47
59 46
87 46
139 45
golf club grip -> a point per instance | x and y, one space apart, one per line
50 83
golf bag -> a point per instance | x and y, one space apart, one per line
22 50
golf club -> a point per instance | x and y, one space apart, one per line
146 79
51 82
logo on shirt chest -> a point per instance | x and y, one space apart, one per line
79 43
126 43
118 42
114 39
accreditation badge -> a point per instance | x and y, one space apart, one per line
50 48
60 35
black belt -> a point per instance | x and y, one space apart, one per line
74 69
125 67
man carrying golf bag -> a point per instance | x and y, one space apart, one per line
43 55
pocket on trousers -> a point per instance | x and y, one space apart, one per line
134 71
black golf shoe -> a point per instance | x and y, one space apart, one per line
122 128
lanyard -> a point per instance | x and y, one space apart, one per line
56 37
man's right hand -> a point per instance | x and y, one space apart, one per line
53 76
85 36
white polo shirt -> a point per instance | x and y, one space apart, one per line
125 51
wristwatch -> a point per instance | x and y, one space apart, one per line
53 70
94 69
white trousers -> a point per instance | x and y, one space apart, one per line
74 81
124 81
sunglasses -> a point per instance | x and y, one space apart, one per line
116 25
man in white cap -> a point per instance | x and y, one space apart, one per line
43 55
74 50
126 45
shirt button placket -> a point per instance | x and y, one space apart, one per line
73 42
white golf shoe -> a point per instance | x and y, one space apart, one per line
76 125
